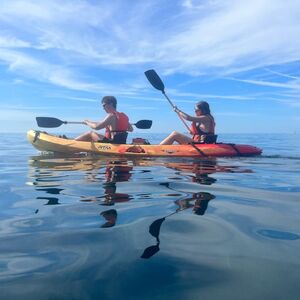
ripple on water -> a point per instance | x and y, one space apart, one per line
81 225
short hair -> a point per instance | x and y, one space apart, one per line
110 100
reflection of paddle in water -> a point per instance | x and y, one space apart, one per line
51 201
154 230
199 208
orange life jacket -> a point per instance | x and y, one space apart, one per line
198 133
121 126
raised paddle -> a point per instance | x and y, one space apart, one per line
48 122
157 83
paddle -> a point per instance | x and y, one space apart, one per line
48 122
154 229
157 83
143 124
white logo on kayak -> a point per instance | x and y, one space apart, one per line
104 148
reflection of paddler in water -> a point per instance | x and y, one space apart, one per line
201 200
110 216
115 172
199 171
200 205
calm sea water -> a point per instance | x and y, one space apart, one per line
85 227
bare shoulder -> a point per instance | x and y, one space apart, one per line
110 119
201 118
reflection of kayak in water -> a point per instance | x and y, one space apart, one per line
46 142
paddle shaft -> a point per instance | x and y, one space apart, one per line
158 84
49 122
70 122
180 117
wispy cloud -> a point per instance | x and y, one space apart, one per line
282 74
28 66
235 114
287 85
80 99
12 42
63 42
241 34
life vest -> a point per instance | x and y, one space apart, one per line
198 134
121 125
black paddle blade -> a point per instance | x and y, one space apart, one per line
150 251
48 122
155 80
143 124
154 228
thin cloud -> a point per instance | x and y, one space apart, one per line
283 75
208 96
12 42
65 41
80 99
27 65
288 85
235 114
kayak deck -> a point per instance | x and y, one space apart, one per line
47 142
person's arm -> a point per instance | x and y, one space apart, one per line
130 128
188 117
99 125
197 119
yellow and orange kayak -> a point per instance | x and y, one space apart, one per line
47 142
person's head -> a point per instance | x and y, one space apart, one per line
201 202
202 108
109 102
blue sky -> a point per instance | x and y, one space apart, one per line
59 58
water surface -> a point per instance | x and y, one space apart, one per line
90 227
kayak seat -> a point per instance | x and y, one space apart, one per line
120 138
140 141
208 139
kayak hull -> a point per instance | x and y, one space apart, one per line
50 143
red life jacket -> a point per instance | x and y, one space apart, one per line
198 132
121 126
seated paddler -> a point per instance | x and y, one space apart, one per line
116 125
202 127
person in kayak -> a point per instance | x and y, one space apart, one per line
116 125
202 129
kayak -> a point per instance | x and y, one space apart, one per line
46 142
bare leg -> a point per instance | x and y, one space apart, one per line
176 137
89 137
